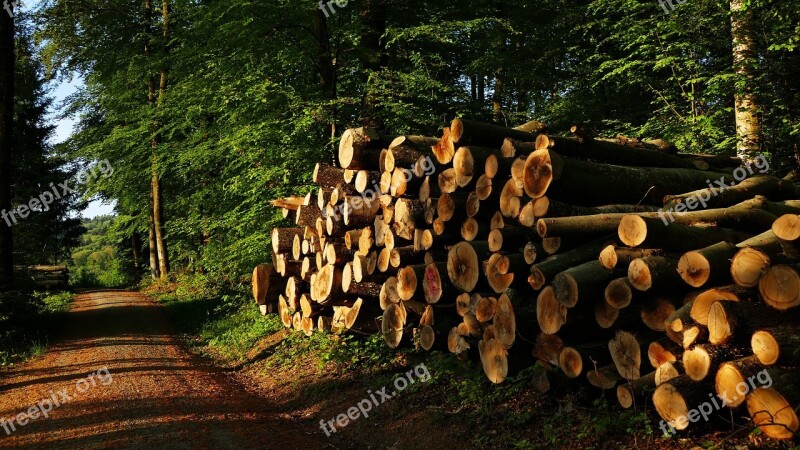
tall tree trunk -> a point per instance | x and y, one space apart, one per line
374 58
152 246
136 251
325 64
7 67
497 96
155 184
748 125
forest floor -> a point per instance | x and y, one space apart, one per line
158 393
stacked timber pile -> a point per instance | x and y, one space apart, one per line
665 276
49 277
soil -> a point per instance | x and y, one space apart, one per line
156 394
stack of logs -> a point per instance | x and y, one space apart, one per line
49 277
669 277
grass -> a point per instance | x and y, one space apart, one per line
27 320
222 325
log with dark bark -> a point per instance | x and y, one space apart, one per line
463 132
718 197
612 256
590 184
581 281
702 360
360 148
635 231
267 284
544 271
654 272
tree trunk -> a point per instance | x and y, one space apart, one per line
7 72
374 57
748 125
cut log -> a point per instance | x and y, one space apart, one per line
605 377
452 207
435 285
283 239
636 392
550 314
635 231
328 176
744 217
473 229
780 287
507 237
510 204
725 319
467 161
612 256
663 351
267 284
654 272
618 293
626 352
703 301
655 312
360 148
392 325
703 360
463 266
611 152
773 409
715 197
544 271
575 360
589 183
787 227
675 398
494 359
777 344
731 379
463 132
409 281
404 151
580 281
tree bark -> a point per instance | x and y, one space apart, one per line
746 108
7 72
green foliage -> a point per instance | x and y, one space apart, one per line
99 260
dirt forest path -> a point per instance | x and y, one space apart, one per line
154 394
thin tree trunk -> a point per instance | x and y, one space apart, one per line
325 63
152 246
8 59
156 186
748 125
374 58
136 244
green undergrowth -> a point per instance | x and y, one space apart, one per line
28 321
221 321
